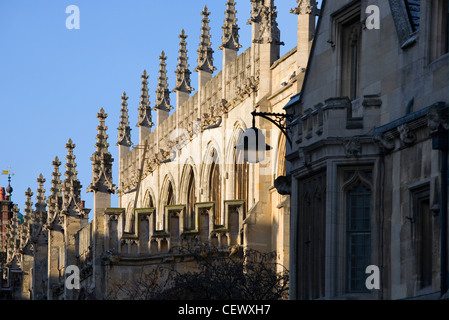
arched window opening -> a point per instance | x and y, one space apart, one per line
170 195
241 168
191 200
215 190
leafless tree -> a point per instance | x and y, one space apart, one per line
234 274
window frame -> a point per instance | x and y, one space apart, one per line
357 232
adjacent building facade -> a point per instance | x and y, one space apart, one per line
182 181
369 153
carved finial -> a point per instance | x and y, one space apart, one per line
124 129
182 71
41 205
256 7
230 38
55 190
71 186
13 233
305 7
102 159
71 173
162 92
144 108
205 52
28 203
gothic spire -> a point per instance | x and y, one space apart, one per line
28 203
55 190
124 130
41 205
102 159
182 71
71 186
162 92
144 108
13 233
205 52
230 38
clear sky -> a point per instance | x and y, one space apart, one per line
53 81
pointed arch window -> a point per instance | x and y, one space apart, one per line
191 200
241 181
215 189
351 44
170 195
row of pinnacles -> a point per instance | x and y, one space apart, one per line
58 234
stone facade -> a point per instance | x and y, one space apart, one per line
369 154
183 182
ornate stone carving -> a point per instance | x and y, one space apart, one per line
124 130
193 128
71 186
205 51
353 147
55 195
41 205
102 159
144 119
437 117
304 7
255 11
182 70
384 144
269 31
162 92
407 137
248 86
230 38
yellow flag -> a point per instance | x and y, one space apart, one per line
5 172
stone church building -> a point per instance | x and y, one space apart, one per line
182 181
352 179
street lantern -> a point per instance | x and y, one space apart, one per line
254 144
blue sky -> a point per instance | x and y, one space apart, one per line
53 81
